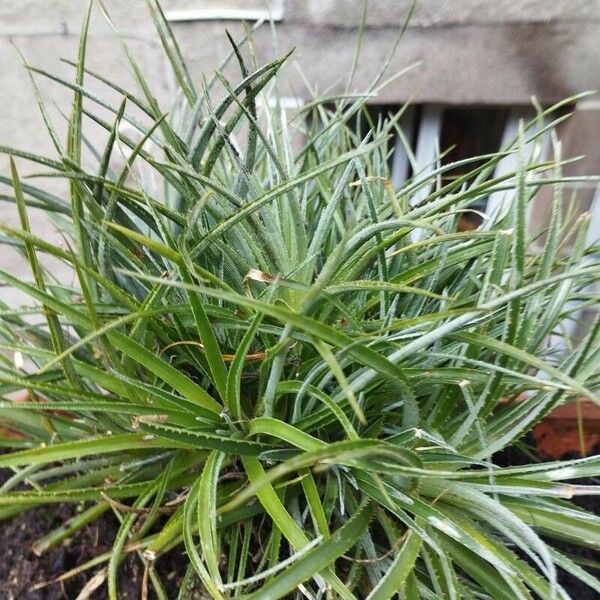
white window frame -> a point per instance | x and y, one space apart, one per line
274 11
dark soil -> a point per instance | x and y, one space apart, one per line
575 588
21 569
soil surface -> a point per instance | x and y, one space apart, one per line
21 569
575 588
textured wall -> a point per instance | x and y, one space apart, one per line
470 51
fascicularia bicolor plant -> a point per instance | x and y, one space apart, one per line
305 370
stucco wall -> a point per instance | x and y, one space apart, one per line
471 51
468 51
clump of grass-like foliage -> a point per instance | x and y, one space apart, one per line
282 361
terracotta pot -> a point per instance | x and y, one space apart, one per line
559 433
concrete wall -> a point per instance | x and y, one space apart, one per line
470 51
467 51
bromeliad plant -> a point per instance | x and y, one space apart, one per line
285 363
